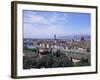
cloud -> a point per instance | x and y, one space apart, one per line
39 24
43 18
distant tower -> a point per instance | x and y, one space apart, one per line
54 37
55 40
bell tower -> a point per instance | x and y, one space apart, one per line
55 40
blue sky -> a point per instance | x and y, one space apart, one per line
43 24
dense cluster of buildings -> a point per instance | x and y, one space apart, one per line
81 45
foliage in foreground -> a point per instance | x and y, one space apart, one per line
52 60
48 61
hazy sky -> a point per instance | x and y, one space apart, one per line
42 24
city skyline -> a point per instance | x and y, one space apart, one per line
43 24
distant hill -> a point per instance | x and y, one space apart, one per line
76 37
